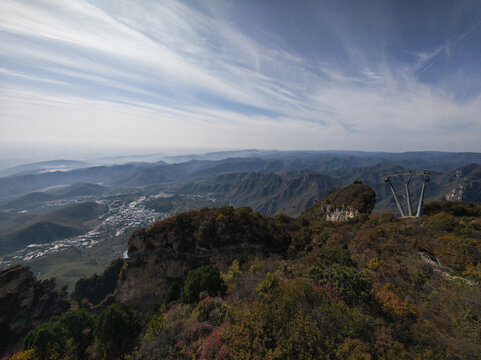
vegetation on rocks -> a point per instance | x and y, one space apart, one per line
373 287
205 229
355 199
205 278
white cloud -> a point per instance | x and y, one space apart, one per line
164 73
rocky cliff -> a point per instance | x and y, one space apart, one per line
25 302
343 204
464 184
167 250
95 288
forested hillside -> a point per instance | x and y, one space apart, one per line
371 287
58 224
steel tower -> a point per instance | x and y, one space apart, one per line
406 179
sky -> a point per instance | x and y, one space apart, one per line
148 75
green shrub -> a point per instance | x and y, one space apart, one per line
77 325
117 328
443 221
173 293
298 321
205 278
299 241
269 284
155 325
456 208
206 233
212 310
354 287
47 339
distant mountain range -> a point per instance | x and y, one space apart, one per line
292 192
337 164
37 198
44 166
271 189
270 193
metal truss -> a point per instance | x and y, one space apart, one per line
406 179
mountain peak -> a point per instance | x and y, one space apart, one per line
344 203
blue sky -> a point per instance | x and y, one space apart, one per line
138 75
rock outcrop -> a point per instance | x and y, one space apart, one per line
464 184
25 302
167 250
95 288
343 204
456 193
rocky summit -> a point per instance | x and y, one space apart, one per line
166 251
343 204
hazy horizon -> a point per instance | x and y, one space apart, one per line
10 157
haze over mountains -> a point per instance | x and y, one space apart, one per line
263 180
341 164
49 208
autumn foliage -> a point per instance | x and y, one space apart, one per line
375 287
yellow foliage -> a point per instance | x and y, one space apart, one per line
256 266
24 355
302 340
54 354
353 349
392 303
374 263
366 237
155 325
232 275
473 271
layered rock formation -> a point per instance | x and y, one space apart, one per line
25 302
343 204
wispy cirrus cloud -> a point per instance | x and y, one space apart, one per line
167 72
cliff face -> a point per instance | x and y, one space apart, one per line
456 193
25 302
167 250
464 184
470 192
343 204
95 288
340 214
145 279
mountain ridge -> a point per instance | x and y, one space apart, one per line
151 173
